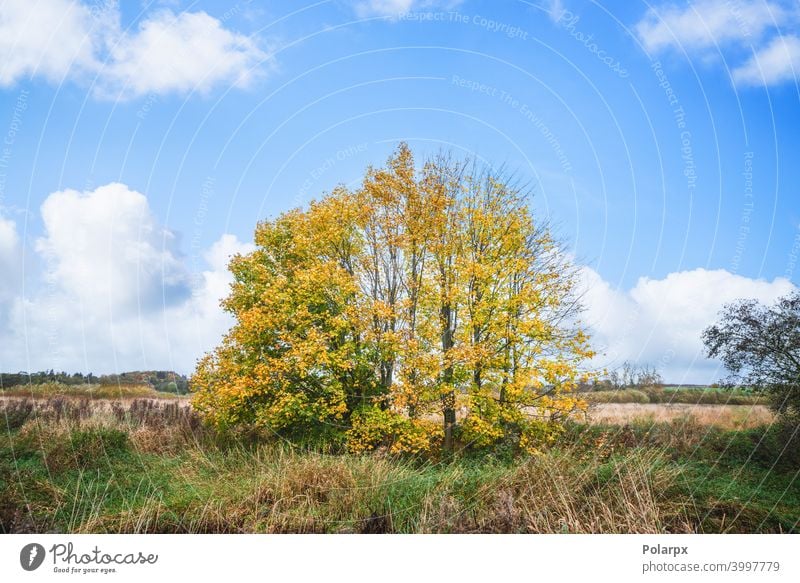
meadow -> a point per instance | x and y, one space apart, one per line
136 462
677 394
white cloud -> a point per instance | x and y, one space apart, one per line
115 294
166 53
180 53
9 260
777 62
660 321
217 280
736 27
704 24
383 7
47 39
106 248
226 247
395 8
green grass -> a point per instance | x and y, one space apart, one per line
153 468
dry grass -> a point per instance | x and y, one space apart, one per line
280 491
145 466
90 450
556 493
722 416
673 395
85 391
153 425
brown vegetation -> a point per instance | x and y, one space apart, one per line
143 465
723 416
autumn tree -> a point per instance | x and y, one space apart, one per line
294 362
425 308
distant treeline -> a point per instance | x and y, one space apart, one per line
160 380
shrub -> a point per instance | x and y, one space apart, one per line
373 428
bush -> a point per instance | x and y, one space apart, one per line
775 447
373 428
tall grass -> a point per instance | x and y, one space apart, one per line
146 466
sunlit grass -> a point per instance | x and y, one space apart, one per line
147 465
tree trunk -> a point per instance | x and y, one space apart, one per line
449 406
449 398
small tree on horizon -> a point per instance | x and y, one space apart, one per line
760 346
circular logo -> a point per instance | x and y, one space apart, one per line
31 556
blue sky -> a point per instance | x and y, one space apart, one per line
147 139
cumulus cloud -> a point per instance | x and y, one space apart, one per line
180 53
777 62
106 248
706 24
660 321
9 260
47 39
217 279
115 294
165 53
736 27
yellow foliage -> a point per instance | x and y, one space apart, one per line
373 428
375 311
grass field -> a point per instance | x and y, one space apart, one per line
723 416
686 395
87 391
144 465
